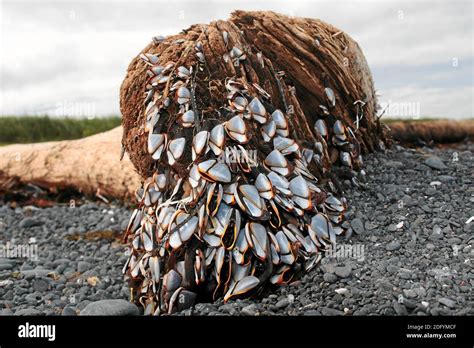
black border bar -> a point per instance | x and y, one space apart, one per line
208 331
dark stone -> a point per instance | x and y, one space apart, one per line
435 162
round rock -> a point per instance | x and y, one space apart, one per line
343 272
393 245
110 307
435 162
357 226
40 285
83 266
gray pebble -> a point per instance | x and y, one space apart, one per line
329 277
446 178
282 303
447 302
343 272
229 308
83 266
6 266
29 222
250 310
68 311
37 272
392 268
358 226
8 295
110 307
393 245
400 309
409 293
409 303
435 162
40 285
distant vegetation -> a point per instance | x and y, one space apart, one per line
421 119
33 129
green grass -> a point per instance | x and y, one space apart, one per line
33 129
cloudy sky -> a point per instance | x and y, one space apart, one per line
69 57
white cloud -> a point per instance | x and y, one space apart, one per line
53 51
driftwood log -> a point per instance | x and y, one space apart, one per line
432 131
289 99
91 166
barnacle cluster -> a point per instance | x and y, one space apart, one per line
236 202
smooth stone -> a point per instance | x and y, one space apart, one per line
405 275
8 295
250 310
446 178
409 303
343 272
370 226
447 302
435 162
409 293
37 272
393 164
110 307
329 277
83 266
393 245
40 285
357 226
6 266
29 222
392 268
282 303
400 309
384 284
68 311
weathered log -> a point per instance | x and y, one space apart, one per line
432 131
294 93
90 165
313 55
